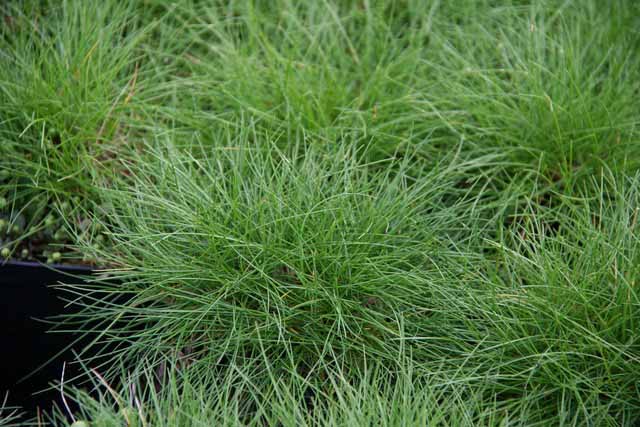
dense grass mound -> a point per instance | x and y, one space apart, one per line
249 249
334 212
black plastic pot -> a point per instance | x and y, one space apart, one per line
26 299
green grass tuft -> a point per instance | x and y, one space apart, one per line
334 212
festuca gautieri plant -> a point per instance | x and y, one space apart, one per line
244 249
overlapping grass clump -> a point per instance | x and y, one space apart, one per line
549 83
249 249
337 212
563 311
293 266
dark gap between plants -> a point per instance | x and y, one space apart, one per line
27 299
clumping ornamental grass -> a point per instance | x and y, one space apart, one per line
251 249
333 212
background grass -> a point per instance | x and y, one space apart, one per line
411 212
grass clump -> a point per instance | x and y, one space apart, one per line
305 257
330 71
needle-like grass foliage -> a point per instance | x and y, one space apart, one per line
239 398
562 307
250 248
71 83
336 212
